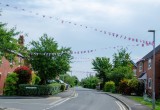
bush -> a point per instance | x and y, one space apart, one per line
24 74
38 90
139 90
109 86
131 86
63 87
11 84
35 79
123 84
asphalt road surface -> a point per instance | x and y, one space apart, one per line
83 99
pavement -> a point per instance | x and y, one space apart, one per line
131 105
24 100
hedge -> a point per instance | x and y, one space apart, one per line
38 90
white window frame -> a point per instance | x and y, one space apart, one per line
149 64
150 83
140 67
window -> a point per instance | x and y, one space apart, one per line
150 83
149 64
134 71
140 66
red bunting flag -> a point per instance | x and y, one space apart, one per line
129 38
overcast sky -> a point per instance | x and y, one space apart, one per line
130 18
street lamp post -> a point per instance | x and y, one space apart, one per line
153 84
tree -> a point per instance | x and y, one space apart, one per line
90 82
47 59
103 68
122 58
121 73
9 46
71 80
122 67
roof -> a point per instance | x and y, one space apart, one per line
133 63
143 76
150 54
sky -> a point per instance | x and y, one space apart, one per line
80 24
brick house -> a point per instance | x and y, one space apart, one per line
145 71
9 66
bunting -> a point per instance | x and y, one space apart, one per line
86 72
85 51
112 34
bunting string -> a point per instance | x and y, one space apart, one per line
86 72
62 21
85 51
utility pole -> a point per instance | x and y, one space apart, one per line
153 84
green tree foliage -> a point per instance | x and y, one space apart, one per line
90 82
103 68
49 66
71 80
120 73
122 58
122 67
35 79
109 86
8 43
11 84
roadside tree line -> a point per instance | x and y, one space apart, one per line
115 76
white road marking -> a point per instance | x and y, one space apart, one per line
54 104
61 102
25 103
120 105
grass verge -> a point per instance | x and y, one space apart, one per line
147 103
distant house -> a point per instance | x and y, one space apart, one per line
134 67
9 66
145 71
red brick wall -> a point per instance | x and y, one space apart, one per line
157 71
150 73
5 68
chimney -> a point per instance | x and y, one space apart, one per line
21 40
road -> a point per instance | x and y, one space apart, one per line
83 99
